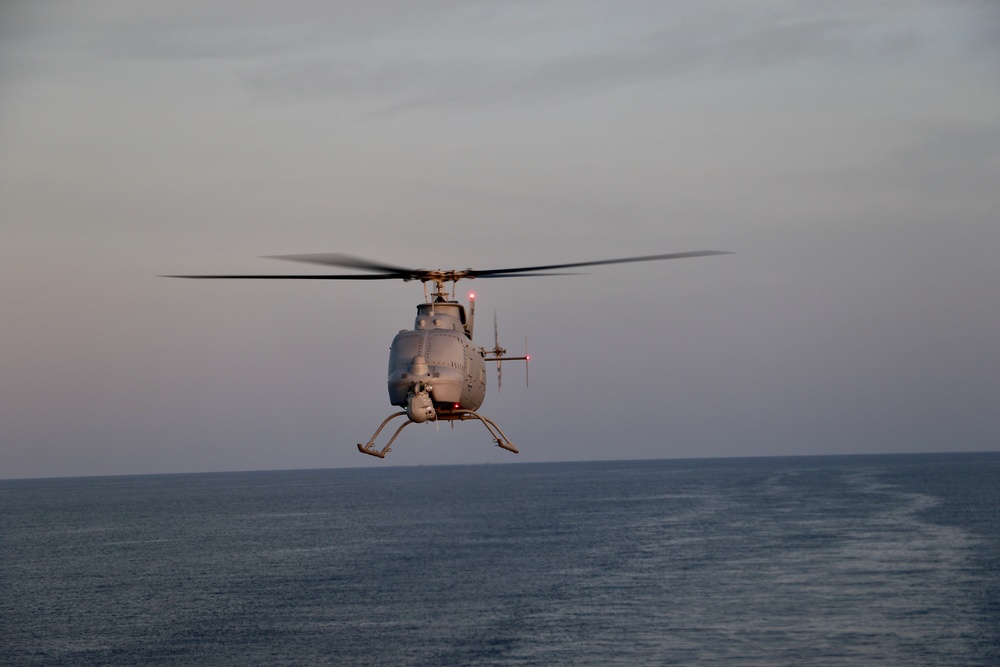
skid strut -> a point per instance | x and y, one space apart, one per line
370 448
460 415
498 436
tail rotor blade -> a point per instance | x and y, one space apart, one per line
497 352
527 357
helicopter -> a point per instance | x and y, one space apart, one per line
436 373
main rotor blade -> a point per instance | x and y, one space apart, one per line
349 261
305 276
392 272
473 273
485 273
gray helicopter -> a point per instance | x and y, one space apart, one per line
436 372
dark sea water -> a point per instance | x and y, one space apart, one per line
883 560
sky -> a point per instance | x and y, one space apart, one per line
847 153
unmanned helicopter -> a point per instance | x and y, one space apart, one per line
436 372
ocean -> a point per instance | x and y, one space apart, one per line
852 560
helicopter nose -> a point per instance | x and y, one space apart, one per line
418 366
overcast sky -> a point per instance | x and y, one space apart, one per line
848 153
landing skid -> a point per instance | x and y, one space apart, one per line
458 415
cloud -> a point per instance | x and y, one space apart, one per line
462 56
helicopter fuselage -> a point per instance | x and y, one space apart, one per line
435 371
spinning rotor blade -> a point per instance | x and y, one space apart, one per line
388 271
351 262
526 358
498 351
503 273
391 272
302 276
478 274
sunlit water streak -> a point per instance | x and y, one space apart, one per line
833 561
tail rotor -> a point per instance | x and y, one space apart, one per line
499 352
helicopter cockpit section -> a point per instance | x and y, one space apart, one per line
442 315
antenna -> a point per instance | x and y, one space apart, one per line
472 313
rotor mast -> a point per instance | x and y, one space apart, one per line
439 278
